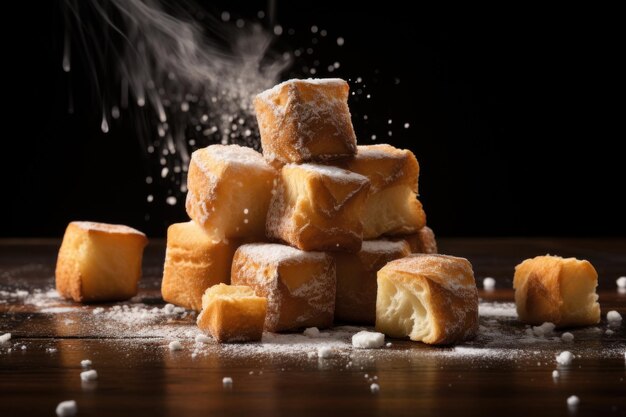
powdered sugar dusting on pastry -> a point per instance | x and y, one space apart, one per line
107 228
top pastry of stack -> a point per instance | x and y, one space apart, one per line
312 189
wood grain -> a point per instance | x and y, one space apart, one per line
139 375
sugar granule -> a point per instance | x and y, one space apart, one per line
227 382
555 374
85 363
90 375
5 337
375 388
67 408
567 337
573 401
544 329
621 282
565 358
489 283
613 317
311 332
368 340
175 345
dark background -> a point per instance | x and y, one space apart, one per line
513 113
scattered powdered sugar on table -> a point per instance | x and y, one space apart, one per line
489 309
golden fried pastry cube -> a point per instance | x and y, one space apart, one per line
429 298
318 207
356 278
232 313
193 263
392 207
305 120
99 262
230 187
558 290
299 286
423 241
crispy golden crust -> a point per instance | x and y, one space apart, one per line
385 166
299 286
193 263
99 262
423 241
556 290
356 279
232 314
430 298
229 191
315 207
305 120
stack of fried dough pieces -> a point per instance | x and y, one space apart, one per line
299 232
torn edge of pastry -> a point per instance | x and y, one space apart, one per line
232 313
429 298
558 290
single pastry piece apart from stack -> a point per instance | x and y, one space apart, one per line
392 207
318 207
299 286
232 313
193 263
556 290
305 120
429 298
421 242
229 191
356 279
99 262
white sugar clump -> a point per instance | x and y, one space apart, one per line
325 352
5 337
567 337
544 329
374 388
85 363
555 374
311 332
565 358
368 340
489 283
202 338
67 408
90 375
227 382
98 310
613 317
621 282
175 345
609 332
573 401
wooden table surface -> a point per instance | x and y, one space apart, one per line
504 372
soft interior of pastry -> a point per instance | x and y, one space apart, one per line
401 308
578 290
392 210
